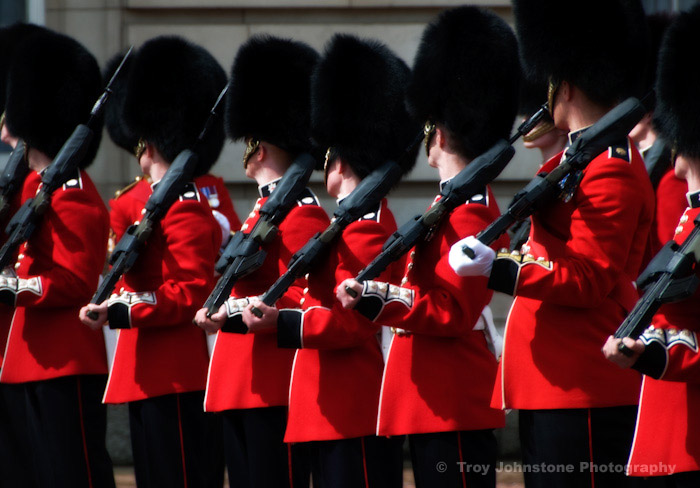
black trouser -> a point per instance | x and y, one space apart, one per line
578 448
175 443
454 459
16 468
64 427
689 479
361 462
256 455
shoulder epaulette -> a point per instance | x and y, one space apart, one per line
373 214
74 183
128 187
481 197
620 150
190 192
308 197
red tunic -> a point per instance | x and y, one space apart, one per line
6 313
249 370
668 427
159 351
440 374
214 191
670 205
336 378
58 270
573 286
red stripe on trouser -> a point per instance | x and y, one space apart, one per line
590 448
364 461
461 460
82 432
182 440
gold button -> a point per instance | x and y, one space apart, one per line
17 265
20 256
684 219
679 229
301 302
410 266
251 214
305 291
404 281
257 205
136 222
143 211
413 254
244 227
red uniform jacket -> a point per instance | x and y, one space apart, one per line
6 313
58 269
670 205
214 191
668 426
249 370
159 351
337 371
573 284
439 374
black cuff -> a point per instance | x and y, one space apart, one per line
289 329
652 362
118 316
8 297
504 276
370 306
235 325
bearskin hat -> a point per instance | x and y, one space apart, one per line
52 84
269 93
465 76
172 86
116 127
358 105
531 97
598 45
678 93
656 28
10 37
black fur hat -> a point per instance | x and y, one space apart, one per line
358 104
465 76
52 84
532 97
597 45
172 87
269 92
10 37
116 127
678 93
656 28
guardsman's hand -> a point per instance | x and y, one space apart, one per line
100 310
255 323
348 293
478 265
612 352
212 324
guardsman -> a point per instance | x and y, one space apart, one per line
667 438
269 107
161 358
573 280
59 365
440 372
358 113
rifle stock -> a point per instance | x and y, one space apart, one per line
669 277
12 177
244 253
367 195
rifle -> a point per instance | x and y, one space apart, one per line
244 253
364 197
164 195
669 277
472 179
563 180
12 176
63 167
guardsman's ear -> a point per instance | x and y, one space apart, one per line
440 137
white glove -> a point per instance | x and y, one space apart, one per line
463 265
